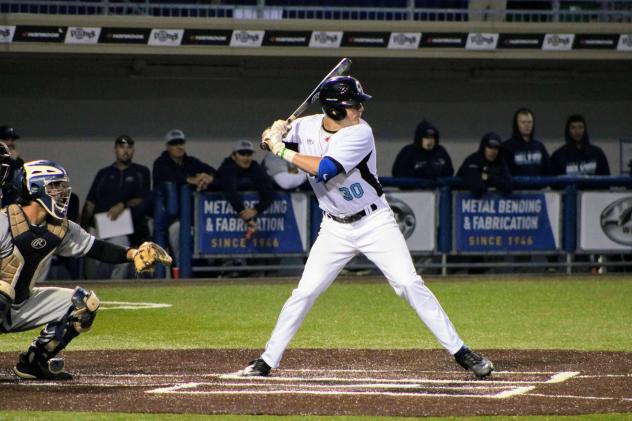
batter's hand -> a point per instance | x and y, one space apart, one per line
147 255
274 140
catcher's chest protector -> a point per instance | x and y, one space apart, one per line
31 246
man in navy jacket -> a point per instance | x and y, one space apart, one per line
486 168
424 157
578 156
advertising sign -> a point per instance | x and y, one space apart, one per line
415 213
521 222
281 229
605 221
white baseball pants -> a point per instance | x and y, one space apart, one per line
378 237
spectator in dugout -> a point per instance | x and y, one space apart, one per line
172 169
239 170
524 154
424 157
116 188
486 168
578 156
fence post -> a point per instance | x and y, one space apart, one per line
570 222
186 238
445 225
161 225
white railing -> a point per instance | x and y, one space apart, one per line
402 10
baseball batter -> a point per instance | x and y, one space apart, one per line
337 150
30 233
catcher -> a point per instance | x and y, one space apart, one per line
30 233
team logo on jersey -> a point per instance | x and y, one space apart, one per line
616 221
38 243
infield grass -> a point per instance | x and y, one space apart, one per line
587 313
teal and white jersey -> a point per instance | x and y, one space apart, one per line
353 148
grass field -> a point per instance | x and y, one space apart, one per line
584 313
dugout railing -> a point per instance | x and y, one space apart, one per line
569 256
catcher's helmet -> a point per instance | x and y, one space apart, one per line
47 183
340 92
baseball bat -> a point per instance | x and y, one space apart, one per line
340 69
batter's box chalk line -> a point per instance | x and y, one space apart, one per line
231 384
127 305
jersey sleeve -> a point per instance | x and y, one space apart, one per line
351 146
76 243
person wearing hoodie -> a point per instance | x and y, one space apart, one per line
524 154
424 157
578 156
486 168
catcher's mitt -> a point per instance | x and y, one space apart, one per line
147 255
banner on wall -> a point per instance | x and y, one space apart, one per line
521 222
282 228
415 213
605 221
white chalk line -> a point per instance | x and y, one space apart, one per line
541 395
176 390
128 305
366 383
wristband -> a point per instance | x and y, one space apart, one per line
287 154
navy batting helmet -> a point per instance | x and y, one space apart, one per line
341 92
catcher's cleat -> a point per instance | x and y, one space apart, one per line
477 364
257 368
52 370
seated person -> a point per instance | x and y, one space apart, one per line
119 186
172 169
486 168
424 157
239 169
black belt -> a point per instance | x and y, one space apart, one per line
351 218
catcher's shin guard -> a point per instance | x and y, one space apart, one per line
55 336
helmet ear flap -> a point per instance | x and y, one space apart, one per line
335 113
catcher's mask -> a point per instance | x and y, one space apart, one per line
339 93
5 163
47 183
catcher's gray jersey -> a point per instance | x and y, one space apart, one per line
76 243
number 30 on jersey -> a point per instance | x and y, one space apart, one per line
353 192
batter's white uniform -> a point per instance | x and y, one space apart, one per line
376 235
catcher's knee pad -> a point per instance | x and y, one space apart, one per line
85 305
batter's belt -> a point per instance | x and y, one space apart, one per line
351 218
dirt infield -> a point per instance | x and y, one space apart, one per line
330 382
